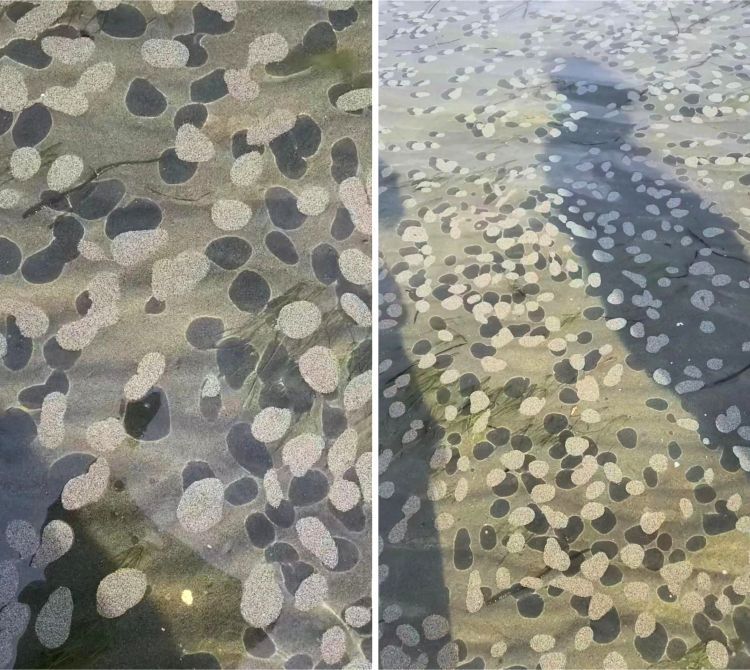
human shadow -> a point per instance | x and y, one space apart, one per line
673 269
413 587
108 535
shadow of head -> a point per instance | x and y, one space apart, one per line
593 98
672 268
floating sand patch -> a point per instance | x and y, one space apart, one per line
227 8
435 626
358 392
320 369
97 78
39 18
25 163
52 420
343 452
474 597
478 402
178 276
531 406
645 624
272 489
356 309
264 130
302 452
119 592
92 251
106 435
22 537
675 574
652 521
554 557
150 370
717 654
268 48
52 624
74 101
241 85
262 597
614 660
355 100
57 539
593 568
344 495
247 169
104 294
9 198
583 638
357 616
363 468
230 214
137 246
163 6
317 539
64 172
88 487
14 618
333 645
31 321
201 505
311 592
299 319
8 582
355 266
599 605
271 424
313 200
542 643
192 145
13 92
70 101
163 53
576 446
68 50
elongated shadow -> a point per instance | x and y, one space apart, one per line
414 587
673 269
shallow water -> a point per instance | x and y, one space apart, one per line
185 334
564 284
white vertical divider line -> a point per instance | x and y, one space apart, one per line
375 337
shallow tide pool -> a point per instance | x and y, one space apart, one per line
564 283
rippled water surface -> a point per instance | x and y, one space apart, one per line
184 288
565 431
